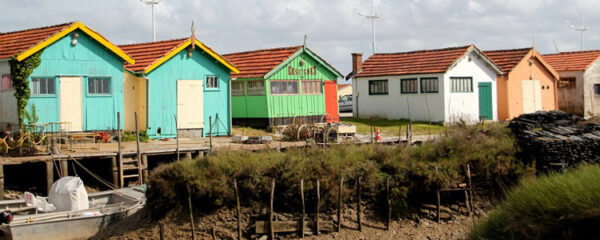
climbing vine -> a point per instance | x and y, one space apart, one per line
20 72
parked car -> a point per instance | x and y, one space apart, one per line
345 103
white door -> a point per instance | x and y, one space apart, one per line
190 108
71 103
532 96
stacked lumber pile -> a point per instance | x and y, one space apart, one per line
556 140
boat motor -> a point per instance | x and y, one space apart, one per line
6 217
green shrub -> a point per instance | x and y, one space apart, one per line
412 170
129 136
558 206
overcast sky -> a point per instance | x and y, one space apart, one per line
334 27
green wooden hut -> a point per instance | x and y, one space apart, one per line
277 86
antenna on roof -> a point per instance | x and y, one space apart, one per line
581 28
152 3
193 37
373 16
555 46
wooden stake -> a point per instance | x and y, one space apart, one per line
437 194
214 234
64 168
340 207
303 209
120 154
49 175
389 204
467 205
176 138
271 232
145 168
161 229
115 171
191 212
470 188
237 210
139 155
1 181
211 130
317 210
358 197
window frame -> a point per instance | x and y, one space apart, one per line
264 88
387 85
437 85
9 82
209 86
91 94
279 81
415 79
596 87
452 90
320 82
31 80
243 83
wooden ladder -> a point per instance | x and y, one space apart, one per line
131 167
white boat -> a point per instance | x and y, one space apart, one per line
105 208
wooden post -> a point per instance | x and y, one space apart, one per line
358 198
176 138
467 202
145 170
340 207
211 130
1 181
317 210
139 156
303 209
470 189
120 153
400 134
237 210
214 233
191 212
64 168
49 175
188 155
437 193
271 230
115 171
161 229
389 204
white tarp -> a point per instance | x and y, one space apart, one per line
68 194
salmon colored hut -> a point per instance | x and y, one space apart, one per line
528 84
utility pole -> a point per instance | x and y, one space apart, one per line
581 28
373 16
152 3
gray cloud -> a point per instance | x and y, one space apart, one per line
333 27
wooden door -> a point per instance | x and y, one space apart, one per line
532 96
190 108
486 111
331 101
71 104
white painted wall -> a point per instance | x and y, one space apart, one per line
436 107
465 106
8 102
591 101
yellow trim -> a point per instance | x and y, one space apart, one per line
183 46
73 27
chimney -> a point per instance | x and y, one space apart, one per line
356 63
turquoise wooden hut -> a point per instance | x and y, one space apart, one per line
180 78
78 83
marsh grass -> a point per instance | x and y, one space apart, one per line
489 150
557 206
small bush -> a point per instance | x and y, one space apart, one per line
490 152
129 136
558 206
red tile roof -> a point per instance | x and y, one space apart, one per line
257 63
145 54
572 61
414 62
341 86
507 59
12 43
